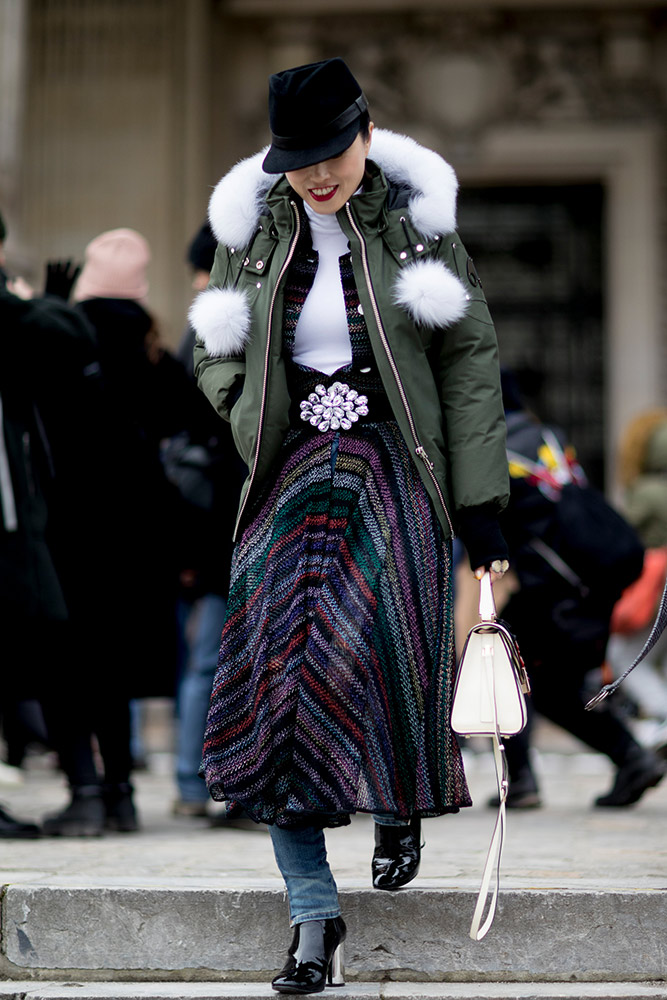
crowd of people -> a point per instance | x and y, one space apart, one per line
303 622
113 551
114 473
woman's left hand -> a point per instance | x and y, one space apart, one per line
497 569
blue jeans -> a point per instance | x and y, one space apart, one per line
201 628
301 856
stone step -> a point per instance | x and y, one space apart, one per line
357 991
222 933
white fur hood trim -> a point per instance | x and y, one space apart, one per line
432 204
426 289
221 319
236 202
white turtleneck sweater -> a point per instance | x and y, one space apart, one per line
321 338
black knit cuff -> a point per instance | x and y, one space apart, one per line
481 535
235 392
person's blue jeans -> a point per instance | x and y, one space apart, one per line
301 856
201 628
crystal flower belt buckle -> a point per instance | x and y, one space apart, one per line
334 408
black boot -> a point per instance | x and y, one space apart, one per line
315 958
16 829
522 793
120 812
642 769
397 854
83 817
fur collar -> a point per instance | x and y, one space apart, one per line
425 289
238 199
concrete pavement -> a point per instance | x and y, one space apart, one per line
583 898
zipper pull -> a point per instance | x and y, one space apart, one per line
421 451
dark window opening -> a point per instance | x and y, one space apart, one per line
538 252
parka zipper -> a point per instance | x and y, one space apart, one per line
419 448
267 356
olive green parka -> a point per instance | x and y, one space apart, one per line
430 329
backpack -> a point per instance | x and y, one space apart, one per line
587 542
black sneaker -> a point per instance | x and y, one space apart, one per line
16 829
643 770
83 817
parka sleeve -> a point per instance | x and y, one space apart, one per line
469 381
221 318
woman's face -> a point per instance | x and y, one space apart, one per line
326 186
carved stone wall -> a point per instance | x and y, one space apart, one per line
451 75
510 95
126 112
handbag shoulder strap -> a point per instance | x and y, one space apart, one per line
656 631
559 565
478 930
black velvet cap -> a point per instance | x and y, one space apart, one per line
314 114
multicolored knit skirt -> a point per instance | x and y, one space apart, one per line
334 683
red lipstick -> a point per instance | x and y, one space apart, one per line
323 197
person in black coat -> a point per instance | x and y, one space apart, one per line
116 537
41 340
562 626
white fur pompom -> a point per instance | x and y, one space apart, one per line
430 293
221 320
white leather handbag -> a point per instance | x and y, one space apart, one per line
491 683
489 700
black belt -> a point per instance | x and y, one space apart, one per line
336 402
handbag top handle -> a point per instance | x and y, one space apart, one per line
487 605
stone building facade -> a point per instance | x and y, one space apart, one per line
126 112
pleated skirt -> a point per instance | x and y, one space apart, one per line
334 683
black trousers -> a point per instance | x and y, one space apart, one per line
86 708
557 664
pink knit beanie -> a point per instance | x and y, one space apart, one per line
114 267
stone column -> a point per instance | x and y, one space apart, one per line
196 99
13 55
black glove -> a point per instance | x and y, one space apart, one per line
60 276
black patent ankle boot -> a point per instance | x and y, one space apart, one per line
315 958
397 854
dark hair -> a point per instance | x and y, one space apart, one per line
201 252
364 124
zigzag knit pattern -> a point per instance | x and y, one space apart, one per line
333 689
334 683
